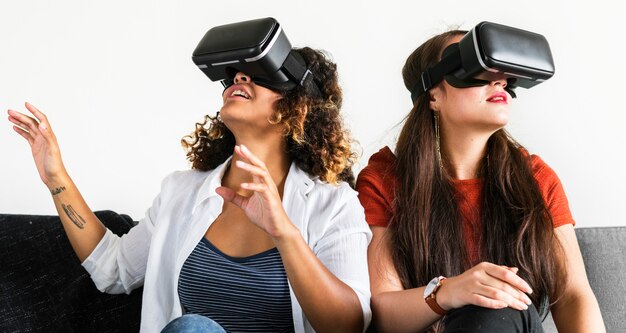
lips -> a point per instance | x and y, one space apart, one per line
499 97
238 91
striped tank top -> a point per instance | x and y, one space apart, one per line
248 294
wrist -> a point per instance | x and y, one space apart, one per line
443 295
57 182
432 293
284 234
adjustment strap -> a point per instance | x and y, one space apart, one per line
433 75
297 70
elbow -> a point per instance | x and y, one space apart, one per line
350 319
580 297
377 308
355 323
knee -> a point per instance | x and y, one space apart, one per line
193 323
472 318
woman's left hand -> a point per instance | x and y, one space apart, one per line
264 207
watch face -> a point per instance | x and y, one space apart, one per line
430 287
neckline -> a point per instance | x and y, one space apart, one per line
238 259
468 182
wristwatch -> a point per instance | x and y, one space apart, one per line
429 295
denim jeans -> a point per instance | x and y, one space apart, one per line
193 323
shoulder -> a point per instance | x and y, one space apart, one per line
329 201
312 187
552 191
330 195
380 168
334 211
322 211
184 177
383 161
542 172
376 185
185 183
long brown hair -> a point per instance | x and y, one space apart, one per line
317 140
426 229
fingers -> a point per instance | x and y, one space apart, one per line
24 134
263 181
230 196
514 292
38 114
512 269
254 187
488 302
488 285
508 276
34 126
44 125
247 156
254 170
25 122
498 290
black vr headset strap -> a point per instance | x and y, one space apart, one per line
433 75
296 68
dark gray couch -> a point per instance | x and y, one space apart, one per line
604 252
43 287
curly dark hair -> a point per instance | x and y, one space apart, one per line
317 140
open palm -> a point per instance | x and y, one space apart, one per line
42 141
264 207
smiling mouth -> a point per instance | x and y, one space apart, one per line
497 99
240 93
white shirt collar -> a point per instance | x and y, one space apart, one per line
297 180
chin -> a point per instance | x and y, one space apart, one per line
497 124
230 112
502 122
501 118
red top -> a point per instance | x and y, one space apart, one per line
377 182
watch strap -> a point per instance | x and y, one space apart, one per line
431 299
432 302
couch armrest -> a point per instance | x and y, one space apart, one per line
43 287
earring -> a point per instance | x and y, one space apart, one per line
438 140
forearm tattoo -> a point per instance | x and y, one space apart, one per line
57 190
74 217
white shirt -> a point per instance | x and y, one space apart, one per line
329 217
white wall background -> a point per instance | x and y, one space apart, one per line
117 82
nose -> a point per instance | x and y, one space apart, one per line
241 78
502 82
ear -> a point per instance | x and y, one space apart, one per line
435 98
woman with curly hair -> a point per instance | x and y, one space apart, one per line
470 231
270 238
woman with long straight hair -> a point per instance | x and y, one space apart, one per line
467 225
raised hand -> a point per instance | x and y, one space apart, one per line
264 207
42 141
487 285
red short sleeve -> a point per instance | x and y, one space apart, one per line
376 186
553 193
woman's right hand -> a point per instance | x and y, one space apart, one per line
487 285
43 143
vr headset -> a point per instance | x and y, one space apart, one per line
260 49
491 52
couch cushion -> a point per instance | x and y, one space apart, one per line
43 287
604 253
